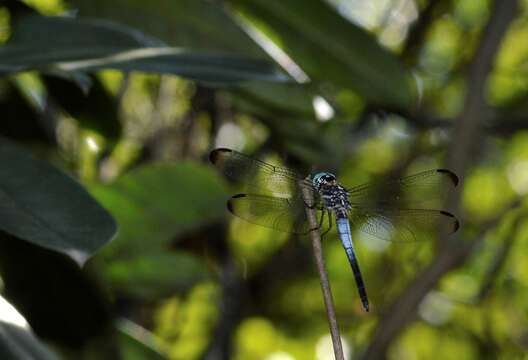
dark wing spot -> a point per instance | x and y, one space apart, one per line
452 176
230 201
215 154
456 223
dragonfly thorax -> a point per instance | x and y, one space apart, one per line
334 196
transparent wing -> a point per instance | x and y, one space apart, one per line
281 214
256 174
403 225
425 188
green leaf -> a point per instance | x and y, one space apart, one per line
137 343
155 276
274 98
211 68
45 207
17 341
38 41
156 203
330 48
57 44
186 23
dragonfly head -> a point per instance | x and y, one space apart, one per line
324 179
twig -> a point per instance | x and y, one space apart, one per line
499 259
220 346
315 236
403 310
469 125
419 28
466 137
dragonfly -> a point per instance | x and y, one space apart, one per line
393 209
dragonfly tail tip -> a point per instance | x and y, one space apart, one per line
456 223
366 305
452 176
230 202
215 154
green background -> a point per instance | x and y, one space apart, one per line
115 241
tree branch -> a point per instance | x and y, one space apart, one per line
467 133
468 127
499 259
315 236
403 310
418 29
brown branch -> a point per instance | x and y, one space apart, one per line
220 347
468 127
403 310
499 260
419 28
467 133
315 236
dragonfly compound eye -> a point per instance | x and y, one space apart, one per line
323 178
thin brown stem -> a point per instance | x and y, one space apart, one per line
315 236
467 141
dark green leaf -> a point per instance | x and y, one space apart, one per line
272 98
330 48
197 24
209 68
38 41
67 44
48 208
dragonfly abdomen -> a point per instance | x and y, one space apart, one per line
343 228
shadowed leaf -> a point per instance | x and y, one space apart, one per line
45 207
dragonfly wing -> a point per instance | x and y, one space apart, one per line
288 215
424 188
257 174
403 225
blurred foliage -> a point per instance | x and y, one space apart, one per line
126 99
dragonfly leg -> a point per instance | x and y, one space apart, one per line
320 222
329 223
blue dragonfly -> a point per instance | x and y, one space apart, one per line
390 210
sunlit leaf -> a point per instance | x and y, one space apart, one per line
137 343
187 326
155 275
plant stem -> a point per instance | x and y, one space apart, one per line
315 236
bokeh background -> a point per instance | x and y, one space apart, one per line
367 89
